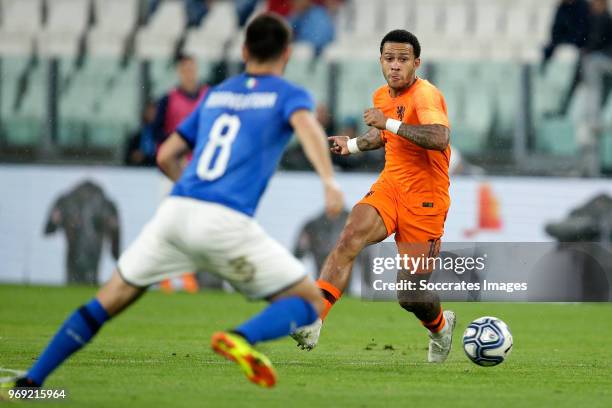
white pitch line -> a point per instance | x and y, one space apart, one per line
16 373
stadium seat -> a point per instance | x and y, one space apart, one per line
163 76
356 84
606 147
607 113
210 39
116 111
25 125
395 15
489 17
12 70
458 17
527 27
87 93
606 141
544 13
549 89
472 126
115 21
367 50
459 30
21 20
367 18
555 136
428 17
67 21
308 72
427 23
109 108
471 104
488 20
519 20
159 37
503 78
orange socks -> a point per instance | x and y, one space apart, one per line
190 284
436 324
330 294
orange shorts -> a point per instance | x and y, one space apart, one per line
415 234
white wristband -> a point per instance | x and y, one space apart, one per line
393 125
352 146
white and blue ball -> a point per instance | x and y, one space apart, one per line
487 341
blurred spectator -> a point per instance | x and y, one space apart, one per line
286 7
598 52
88 218
152 7
244 9
177 104
312 24
140 150
570 26
195 10
597 63
282 7
332 5
324 117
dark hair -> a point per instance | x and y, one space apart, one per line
267 36
402 36
181 57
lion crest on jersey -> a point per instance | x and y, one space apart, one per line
400 112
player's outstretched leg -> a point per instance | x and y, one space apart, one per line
297 306
425 305
80 327
363 227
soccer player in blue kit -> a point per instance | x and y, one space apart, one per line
237 134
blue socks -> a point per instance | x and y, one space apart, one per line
278 319
76 331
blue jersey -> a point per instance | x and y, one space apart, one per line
238 133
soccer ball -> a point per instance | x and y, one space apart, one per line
487 341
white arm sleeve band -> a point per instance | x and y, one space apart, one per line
393 125
352 146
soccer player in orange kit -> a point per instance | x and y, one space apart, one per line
410 198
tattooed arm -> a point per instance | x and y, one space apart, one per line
432 137
371 140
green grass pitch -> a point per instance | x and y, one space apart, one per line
370 354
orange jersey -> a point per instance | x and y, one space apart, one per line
419 175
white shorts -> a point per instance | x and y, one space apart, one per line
187 235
